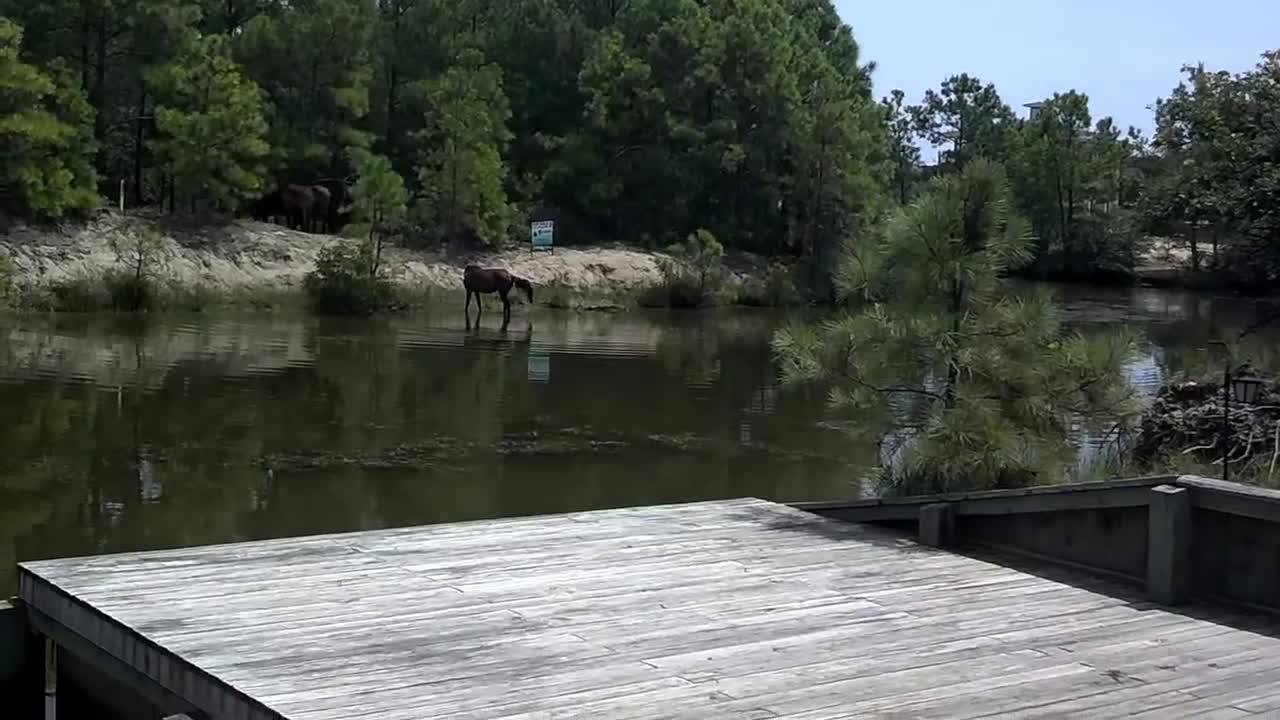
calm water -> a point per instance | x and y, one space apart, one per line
123 435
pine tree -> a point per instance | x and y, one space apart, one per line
461 171
46 132
211 126
378 201
313 62
967 117
962 384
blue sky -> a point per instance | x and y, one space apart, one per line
1123 54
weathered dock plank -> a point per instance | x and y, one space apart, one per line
731 609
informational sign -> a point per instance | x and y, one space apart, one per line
542 234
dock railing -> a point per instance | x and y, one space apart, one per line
1184 537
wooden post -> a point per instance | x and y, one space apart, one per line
1169 531
937 525
50 679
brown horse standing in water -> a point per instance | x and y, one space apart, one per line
479 280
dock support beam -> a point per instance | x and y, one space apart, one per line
937 525
1169 532
50 679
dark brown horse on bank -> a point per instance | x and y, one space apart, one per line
309 208
478 280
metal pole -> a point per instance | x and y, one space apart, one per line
1226 423
50 679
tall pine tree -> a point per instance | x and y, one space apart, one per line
212 133
959 383
46 130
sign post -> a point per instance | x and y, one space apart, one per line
542 235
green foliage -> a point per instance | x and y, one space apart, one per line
46 135
906 154
211 126
967 117
638 122
1216 143
313 61
346 280
134 285
80 293
635 122
692 273
776 289
8 283
378 201
1069 177
461 172
961 384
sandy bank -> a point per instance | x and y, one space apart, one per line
248 254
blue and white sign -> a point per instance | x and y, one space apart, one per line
542 234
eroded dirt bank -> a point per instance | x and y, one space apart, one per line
248 254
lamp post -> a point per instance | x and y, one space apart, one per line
1244 387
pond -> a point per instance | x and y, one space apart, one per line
124 434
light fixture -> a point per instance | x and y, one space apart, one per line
1245 387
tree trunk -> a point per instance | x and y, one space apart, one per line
1060 193
902 183
1195 247
1071 215
954 305
375 237
98 95
393 80
1216 230
453 195
137 142
85 26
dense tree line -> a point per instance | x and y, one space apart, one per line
639 121
1095 195
631 120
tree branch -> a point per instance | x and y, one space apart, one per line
891 388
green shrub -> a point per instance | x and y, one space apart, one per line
194 297
81 293
134 286
776 289
130 292
8 283
346 281
691 277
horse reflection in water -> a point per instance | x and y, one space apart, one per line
478 281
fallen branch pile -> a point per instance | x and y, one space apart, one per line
1186 419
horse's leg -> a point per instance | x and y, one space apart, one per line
506 304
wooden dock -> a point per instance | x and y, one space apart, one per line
734 609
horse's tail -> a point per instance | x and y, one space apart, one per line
524 285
